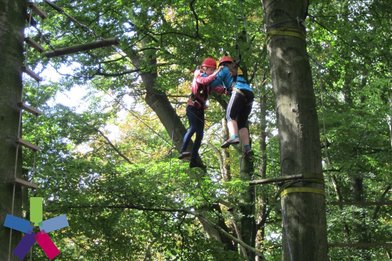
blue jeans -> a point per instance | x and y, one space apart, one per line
196 125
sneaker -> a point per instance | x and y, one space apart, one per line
248 154
184 154
195 164
230 141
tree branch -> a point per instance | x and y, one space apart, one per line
196 17
382 197
130 206
113 146
186 211
240 242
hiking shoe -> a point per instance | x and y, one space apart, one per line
229 142
195 164
184 154
248 154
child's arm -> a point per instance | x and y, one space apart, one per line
208 79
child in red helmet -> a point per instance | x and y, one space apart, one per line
196 106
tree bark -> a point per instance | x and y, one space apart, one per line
12 18
247 208
303 203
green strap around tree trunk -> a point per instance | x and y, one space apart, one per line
301 190
286 31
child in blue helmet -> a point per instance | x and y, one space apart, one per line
237 114
240 104
226 76
196 106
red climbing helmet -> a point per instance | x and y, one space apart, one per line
209 62
225 59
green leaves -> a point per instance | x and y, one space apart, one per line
113 168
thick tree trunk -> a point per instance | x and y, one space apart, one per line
303 203
12 17
158 101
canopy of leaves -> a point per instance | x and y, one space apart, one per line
112 167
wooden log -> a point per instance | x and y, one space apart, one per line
25 183
37 10
362 204
30 109
362 245
274 180
31 74
82 47
55 7
34 44
27 144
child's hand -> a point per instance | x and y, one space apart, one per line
197 72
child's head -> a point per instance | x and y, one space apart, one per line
208 65
229 63
225 60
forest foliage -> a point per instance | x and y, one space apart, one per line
112 168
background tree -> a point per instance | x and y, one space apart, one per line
304 221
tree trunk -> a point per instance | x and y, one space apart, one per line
303 202
12 18
247 208
389 118
260 199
